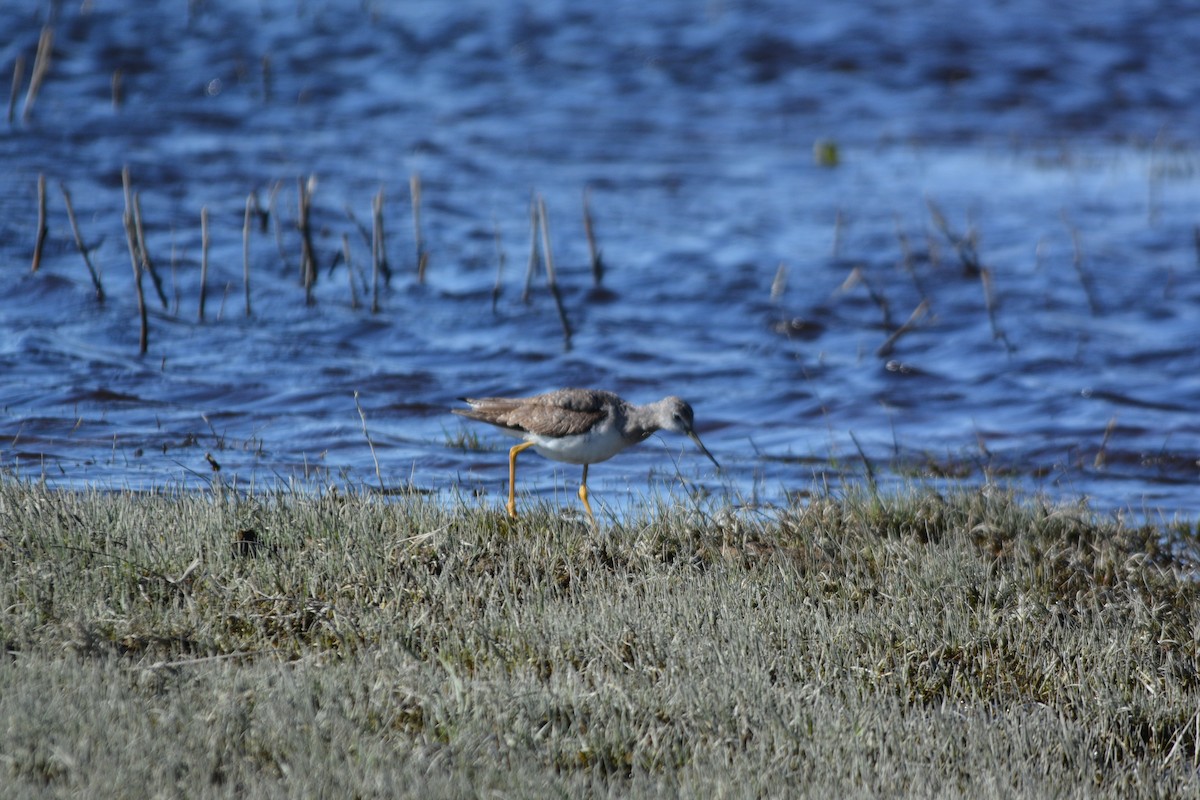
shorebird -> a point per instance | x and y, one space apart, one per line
578 426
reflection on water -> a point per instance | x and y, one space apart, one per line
997 280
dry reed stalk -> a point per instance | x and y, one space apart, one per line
534 254
414 188
349 270
41 66
127 214
1101 459
136 262
551 278
499 265
981 443
147 262
203 259
1077 261
870 470
378 243
42 228
251 202
838 223
779 282
857 276
133 209
597 261
989 299
362 415
127 190
308 261
963 245
374 287
920 311
79 242
362 229
17 78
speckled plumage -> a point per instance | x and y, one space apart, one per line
579 426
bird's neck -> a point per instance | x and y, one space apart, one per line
643 423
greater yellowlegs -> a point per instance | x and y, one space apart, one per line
578 426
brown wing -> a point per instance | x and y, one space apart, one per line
560 413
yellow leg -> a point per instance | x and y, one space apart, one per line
583 494
512 476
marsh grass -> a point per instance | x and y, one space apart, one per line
332 644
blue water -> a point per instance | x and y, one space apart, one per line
1032 159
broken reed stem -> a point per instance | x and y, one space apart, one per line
1101 459
414 188
127 217
251 202
41 65
981 443
551 278
1077 262
362 229
203 259
597 261
17 78
534 253
378 245
963 245
144 252
349 270
308 262
920 311
547 254
837 234
42 228
857 276
132 218
985 275
79 242
870 470
499 264
363 417
136 262
779 282
375 289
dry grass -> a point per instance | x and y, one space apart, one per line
296 645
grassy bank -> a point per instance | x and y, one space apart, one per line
341 646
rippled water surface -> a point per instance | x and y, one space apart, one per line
889 240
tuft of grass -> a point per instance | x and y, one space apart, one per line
348 644
464 439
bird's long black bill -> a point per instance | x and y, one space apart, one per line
692 435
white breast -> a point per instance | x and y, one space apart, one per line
599 444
